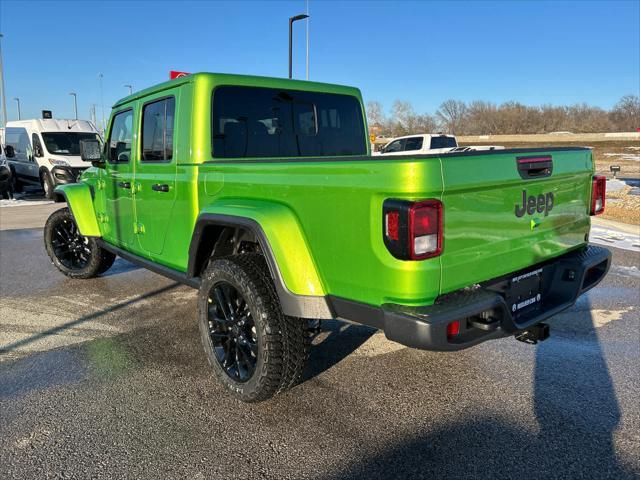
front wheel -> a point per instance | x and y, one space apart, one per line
255 350
47 186
73 254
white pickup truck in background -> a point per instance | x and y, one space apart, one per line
428 143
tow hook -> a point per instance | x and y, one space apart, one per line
534 334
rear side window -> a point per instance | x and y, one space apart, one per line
157 130
120 138
414 143
443 142
265 122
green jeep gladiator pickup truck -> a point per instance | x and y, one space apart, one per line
262 194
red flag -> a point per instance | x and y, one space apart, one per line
175 74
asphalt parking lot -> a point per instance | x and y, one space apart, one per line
106 378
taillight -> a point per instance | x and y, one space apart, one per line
413 230
453 329
598 194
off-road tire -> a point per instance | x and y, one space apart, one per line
99 259
47 185
283 342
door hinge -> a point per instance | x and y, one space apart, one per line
138 229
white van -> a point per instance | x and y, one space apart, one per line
46 152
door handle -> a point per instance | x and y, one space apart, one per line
160 188
124 184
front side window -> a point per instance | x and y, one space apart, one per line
63 143
157 130
266 122
395 146
413 143
119 146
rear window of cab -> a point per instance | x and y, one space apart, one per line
266 123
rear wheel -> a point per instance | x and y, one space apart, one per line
255 350
73 254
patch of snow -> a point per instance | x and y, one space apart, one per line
613 185
19 202
613 237
624 156
626 271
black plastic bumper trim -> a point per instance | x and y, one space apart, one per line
426 327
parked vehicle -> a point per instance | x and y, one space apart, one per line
6 183
429 143
46 152
262 194
420 144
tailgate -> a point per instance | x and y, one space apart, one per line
503 211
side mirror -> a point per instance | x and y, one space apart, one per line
9 151
90 151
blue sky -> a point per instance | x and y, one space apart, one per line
424 52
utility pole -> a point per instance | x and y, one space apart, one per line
75 102
18 104
2 93
291 20
130 87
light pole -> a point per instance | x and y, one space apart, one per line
291 20
75 103
101 100
130 87
307 25
4 98
18 104
92 114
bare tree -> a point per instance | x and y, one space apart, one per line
484 118
375 114
451 115
626 113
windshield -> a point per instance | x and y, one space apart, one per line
66 143
443 142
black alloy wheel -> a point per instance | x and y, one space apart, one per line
232 331
71 248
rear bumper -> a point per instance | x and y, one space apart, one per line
65 175
483 311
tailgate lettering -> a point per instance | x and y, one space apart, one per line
532 204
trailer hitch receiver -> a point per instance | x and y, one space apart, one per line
534 334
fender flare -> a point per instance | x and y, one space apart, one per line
79 199
293 304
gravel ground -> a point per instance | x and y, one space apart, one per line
106 378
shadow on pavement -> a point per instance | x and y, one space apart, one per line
86 318
575 406
119 267
342 340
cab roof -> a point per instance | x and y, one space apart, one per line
242 80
